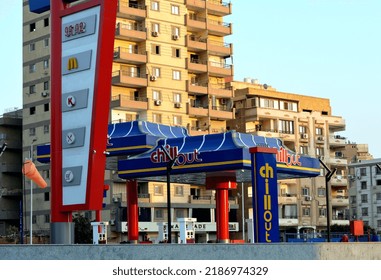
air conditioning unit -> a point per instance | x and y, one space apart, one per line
178 105
157 102
115 199
320 138
152 78
44 94
307 198
339 154
155 33
112 222
222 101
175 37
305 136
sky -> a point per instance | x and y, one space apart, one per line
322 48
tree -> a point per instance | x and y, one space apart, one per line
83 233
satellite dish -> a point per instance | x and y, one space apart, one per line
265 86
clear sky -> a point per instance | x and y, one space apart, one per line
322 48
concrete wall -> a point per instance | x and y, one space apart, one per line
305 251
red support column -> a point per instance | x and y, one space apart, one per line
222 207
132 211
222 183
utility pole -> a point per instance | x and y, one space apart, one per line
328 177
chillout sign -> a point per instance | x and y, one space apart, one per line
284 156
265 203
160 155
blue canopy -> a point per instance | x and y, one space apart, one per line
128 138
225 152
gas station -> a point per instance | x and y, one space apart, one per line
81 139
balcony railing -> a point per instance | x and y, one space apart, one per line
131 10
129 78
130 32
129 56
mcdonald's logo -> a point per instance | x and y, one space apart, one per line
72 63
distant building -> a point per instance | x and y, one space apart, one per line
11 184
365 192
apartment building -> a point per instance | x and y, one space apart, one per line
171 61
11 184
365 192
306 125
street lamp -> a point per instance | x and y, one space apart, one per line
31 195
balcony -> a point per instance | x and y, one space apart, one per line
220 69
220 90
336 123
219 28
288 221
292 199
144 198
130 32
337 161
123 102
339 181
222 113
131 10
196 88
195 5
197 111
219 48
195 44
340 201
9 214
196 66
201 200
195 24
218 8
337 141
124 55
128 79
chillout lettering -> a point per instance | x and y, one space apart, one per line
285 157
267 172
159 156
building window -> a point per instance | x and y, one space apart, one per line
175 31
46 42
32 47
159 214
180 213
154 5
306 211
47 218
34 219
286 126
32 27
177 120
319 131
378 209
322 212
363 185
175 10
378 196
289 106
378 171
155 49
46 22
32 89
364 198
32 68
46 107
46 85
302 129
177 97
363 171
158 189
305 191
319 151
378 182
156 27
32 131
353 199
176 75
156 95
46 129
32 110
179 190
364 212
303 150
156 118
156 72
378 223
46 196
176 52
321 191
46 63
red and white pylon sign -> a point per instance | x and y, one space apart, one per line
82 41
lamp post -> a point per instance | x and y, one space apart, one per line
31 196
